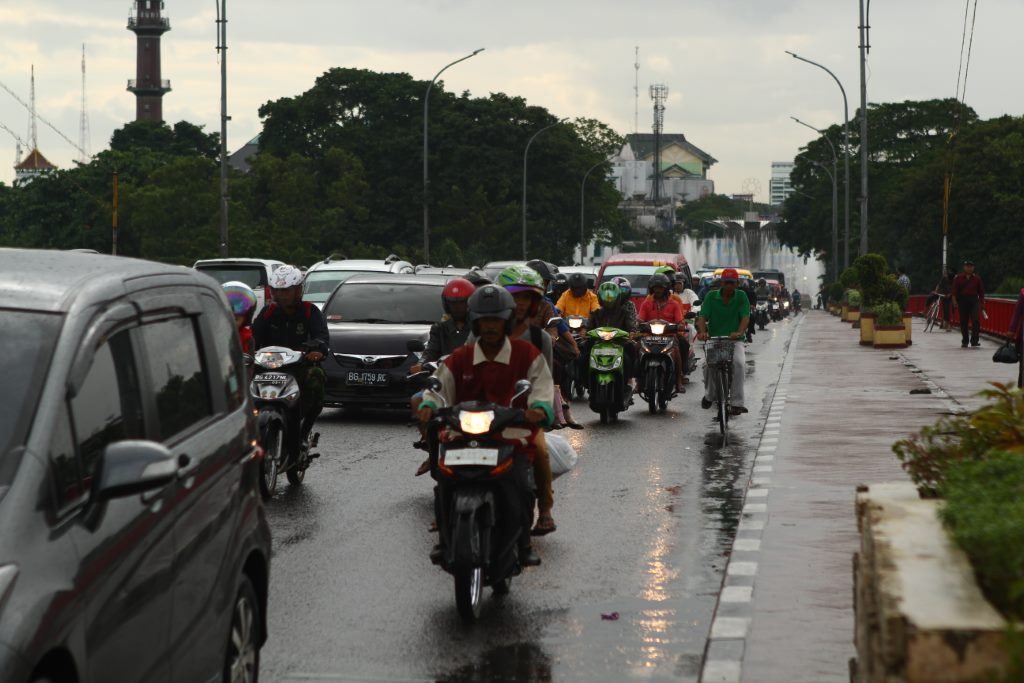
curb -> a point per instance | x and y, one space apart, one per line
723 656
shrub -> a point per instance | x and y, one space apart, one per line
984 511
853 298
888 313
1011 285
999 425
835 292
848 279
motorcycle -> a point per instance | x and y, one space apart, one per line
610 393
657 366
786 308
576 370
275 392
761 313
775 310
483 500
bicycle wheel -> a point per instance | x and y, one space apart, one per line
932 316
723 406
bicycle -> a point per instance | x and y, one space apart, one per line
718 353
931 317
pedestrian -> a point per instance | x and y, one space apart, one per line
1017 333
969 298
903 280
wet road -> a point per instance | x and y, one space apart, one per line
644 522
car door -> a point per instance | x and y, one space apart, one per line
126 544
196 385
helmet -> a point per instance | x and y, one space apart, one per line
491 301
624 287
240 296
544 269
681 277
668 271
559 285
762 282
285 277
477 278
608 293
577 281
521 279
730 275
458 289
658 280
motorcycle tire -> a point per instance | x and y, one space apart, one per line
273 450
296 475
469 585
651 387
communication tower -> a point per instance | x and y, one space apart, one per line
658 93
148 25
83 120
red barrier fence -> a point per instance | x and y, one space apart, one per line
999 313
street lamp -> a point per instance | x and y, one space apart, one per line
846 157
583 186
426 179
222 48
525 153
835 227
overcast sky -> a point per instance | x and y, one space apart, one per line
732 88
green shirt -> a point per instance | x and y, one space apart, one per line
724 319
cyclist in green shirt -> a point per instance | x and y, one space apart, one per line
726 313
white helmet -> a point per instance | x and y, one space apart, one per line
285 277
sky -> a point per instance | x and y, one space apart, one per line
731 86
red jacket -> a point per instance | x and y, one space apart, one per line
968 286
670 310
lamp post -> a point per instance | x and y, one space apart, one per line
526 152
222 47
583 186
835 226
864 47
846 157
426 177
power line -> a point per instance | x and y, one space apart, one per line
50 125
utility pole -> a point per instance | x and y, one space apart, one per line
864 49
526 153
222 48
113 220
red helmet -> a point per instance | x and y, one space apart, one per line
457 289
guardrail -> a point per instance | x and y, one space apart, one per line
999 310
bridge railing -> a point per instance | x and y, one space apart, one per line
999 309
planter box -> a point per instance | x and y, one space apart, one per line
844 313
890 337
853 316
920 616
908 325
867 328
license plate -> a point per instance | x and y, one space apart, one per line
272 378
374 379
471 456
659 340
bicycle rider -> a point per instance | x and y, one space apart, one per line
726 313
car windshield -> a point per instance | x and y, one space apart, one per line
320 283
254 276
385 302
637 276
27 339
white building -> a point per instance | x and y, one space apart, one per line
684 168
780 186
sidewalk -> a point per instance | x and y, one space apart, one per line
785 614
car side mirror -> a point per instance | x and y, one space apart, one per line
131 467
415 346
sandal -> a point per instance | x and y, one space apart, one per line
545 525
423 468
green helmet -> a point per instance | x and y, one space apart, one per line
667 271
609 293
521 279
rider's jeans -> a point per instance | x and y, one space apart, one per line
739 364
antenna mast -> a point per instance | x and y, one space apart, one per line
32 132
658 93
636 90
83 120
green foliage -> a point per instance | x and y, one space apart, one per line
835 292
1011 285
998 425
848 278
888 313
694 215
853 298
876 283
185 139
984 511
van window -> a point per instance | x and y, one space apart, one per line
226 367
177 375
64 465
254 276
107 408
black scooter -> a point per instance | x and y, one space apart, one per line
275 392
657 383
484 496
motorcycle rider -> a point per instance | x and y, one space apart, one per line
626 297
487 368
578 300
477 277
796 300
242 301
298 325
747 287
559 286
726 313
615 313
659 305
763 292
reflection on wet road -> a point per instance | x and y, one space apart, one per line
644 523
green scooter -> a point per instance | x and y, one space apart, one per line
610 393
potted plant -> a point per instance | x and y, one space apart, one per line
867 326
889 332
835 296
849 282
853 300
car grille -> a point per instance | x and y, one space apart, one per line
349 360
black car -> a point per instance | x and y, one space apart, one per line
372 319
133 541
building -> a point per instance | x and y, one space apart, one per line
684 168
149 88
780 186
31 167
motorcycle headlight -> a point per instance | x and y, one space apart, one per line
269 359
785 304
606 335
471 422
658 328
575 323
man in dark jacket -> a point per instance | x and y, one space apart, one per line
969 297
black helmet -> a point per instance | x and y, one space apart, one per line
478 278
658 280
491 301
577 281
559 285
544 269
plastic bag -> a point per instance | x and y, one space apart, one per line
561 454
1005 354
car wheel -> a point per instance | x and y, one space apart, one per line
242 659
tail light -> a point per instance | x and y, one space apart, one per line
502 468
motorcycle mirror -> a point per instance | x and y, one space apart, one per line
522 387
247 360
415 346
554 321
